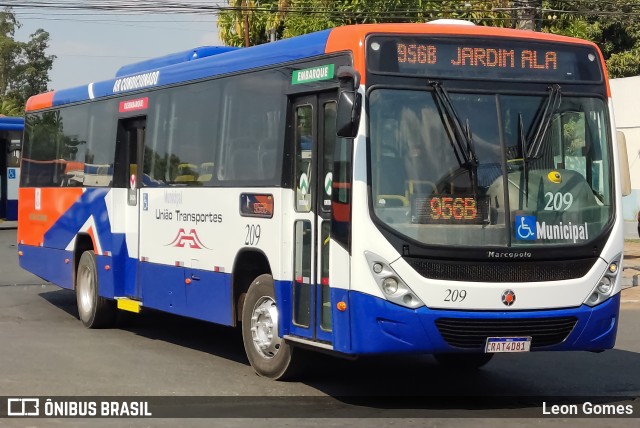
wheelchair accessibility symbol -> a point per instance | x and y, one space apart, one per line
12 174
526 228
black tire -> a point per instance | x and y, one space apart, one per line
463 361
94 311
269 355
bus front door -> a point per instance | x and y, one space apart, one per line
314 138
128 179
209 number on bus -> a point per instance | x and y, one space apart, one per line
253 234
453 295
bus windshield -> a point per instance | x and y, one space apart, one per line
541 173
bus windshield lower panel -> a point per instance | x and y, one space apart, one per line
490 170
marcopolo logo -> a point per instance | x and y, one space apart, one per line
508 297
509 255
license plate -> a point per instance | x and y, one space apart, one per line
507 344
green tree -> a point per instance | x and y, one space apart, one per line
9 107
288 18
259 14
24 66
612 25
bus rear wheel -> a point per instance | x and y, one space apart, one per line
463 361
94 311
269 355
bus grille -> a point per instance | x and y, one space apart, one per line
501 271
473 333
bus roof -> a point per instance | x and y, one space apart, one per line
181 67
11 123
171 59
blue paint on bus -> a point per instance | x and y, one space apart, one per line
48 263
378 326
207 296
171 59
11 123
306 46
11 129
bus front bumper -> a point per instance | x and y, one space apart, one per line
378 327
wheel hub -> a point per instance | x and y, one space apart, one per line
84 291
264 327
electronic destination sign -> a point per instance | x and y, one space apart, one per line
490 59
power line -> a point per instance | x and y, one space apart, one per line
166 7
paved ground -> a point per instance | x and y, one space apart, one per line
631 272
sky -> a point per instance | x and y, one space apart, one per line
92 46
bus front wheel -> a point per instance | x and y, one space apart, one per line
463 361
94 311
269 355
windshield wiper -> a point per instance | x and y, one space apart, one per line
534 144
461 135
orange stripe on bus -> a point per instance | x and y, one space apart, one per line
93 238
40 101
54 202
352 38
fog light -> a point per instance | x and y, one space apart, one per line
594 298
407 299
390 286
377 267
605 285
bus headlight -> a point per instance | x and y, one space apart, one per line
606 285
392 287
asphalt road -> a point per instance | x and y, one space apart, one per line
45 351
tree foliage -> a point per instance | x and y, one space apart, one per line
613 25
288 18
24 66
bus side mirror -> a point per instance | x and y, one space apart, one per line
625 176
348 115
349 103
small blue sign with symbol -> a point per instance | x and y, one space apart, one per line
145 202
526 228
12 173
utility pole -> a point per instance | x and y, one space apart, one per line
528 14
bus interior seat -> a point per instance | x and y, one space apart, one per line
206 172
187 172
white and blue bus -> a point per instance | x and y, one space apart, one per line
11 129
374 189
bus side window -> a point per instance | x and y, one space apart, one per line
304 147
